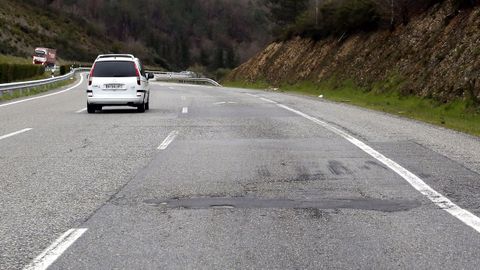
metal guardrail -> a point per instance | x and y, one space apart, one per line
10 87
183 78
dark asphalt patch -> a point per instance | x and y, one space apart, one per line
257 203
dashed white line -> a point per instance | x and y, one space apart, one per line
220 103
438 199
44 96
185 110
81 110
55 250
168 140
15 133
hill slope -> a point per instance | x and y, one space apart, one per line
435 55
175 34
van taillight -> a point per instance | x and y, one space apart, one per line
138 74
90 76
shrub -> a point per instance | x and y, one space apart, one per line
15 72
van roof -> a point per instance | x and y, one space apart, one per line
115 56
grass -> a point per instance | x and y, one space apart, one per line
35 90
458 115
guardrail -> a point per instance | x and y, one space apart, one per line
10 87
183 78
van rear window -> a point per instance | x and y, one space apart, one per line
114 69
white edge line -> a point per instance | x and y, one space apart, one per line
55 250
185 110
44 96
438 199
268 100
81 110
168 140
15 133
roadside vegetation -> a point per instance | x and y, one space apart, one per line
460 114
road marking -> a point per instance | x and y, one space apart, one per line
219 103
171 88
252 95
55 250
168 140
14 133
81 110
185 110
441 201
44 96
184 98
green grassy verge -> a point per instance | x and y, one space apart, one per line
35 90
459 114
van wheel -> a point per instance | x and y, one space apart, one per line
91 108
147 105
141 108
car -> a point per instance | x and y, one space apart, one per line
118 80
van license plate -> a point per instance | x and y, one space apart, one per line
113 86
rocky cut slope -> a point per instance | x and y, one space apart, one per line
437 54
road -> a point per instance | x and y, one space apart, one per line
217 178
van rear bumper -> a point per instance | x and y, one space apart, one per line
115 101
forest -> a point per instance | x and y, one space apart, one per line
174 34
318 19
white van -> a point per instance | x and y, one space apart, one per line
118 80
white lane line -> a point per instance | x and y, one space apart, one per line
220 103
81 110
252 95
55 250
185 110
168 140
184 98
268 100
441 201
15 133
171 88
44 96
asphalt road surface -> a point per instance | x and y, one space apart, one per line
217 178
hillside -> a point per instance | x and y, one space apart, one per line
174 34
436 54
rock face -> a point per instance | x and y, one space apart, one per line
437 55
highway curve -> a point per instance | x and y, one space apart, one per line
218 178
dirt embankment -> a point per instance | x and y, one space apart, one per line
436 55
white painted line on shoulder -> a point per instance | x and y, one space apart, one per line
252 95
81 110
171 88
438 199
168 140
185 110
14 133
55 250
44 96
268 100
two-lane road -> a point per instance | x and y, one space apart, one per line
217 178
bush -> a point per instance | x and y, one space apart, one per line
15 72
64 69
